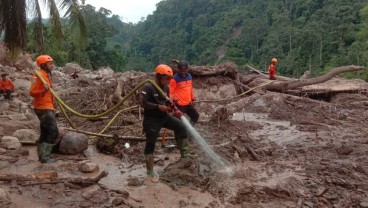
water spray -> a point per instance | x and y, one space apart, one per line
219 162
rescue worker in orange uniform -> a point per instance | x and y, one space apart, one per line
44 107
156 116
181 91
272 69
6 86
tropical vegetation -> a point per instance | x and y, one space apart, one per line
314 35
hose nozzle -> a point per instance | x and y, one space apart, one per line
174 109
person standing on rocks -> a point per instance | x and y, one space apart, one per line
6 86
181 91
44 107
156 116
272 69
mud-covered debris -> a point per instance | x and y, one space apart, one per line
135 181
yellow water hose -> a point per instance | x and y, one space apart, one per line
67 117
64 106
116 115
107 111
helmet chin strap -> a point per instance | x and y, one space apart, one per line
44 67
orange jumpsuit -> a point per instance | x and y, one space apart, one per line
272 71
43 105
42 99
7 85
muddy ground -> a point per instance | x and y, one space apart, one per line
280 150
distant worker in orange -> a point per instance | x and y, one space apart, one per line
6 86
181 91
272 69
44 107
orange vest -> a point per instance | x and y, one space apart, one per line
41 100
181 89
6 84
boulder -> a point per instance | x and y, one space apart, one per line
105 72
87 167
9 142
73 143
25 62
22 84
26 136
72 67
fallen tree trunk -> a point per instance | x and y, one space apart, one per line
86 181
286 85
39 178
228 70
31 177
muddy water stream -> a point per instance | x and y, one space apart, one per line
149 194
280 132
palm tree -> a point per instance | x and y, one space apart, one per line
13 21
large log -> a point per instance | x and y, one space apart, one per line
30 177
40 177
282 86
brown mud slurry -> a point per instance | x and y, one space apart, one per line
285 151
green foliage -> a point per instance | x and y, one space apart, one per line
314 35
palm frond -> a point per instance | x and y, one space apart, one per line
14 23
75 22
38 26
55 20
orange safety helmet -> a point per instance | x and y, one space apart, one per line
43 59
163 70
274 60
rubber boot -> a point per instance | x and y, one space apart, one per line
46 149
184 144
149 166
39 153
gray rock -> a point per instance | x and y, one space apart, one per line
18 117
364 204
87 167
25 62
4 106
71 67
90 191
4 196
26 136
73 143
22 84
9 142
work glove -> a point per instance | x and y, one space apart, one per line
177 112
172 107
